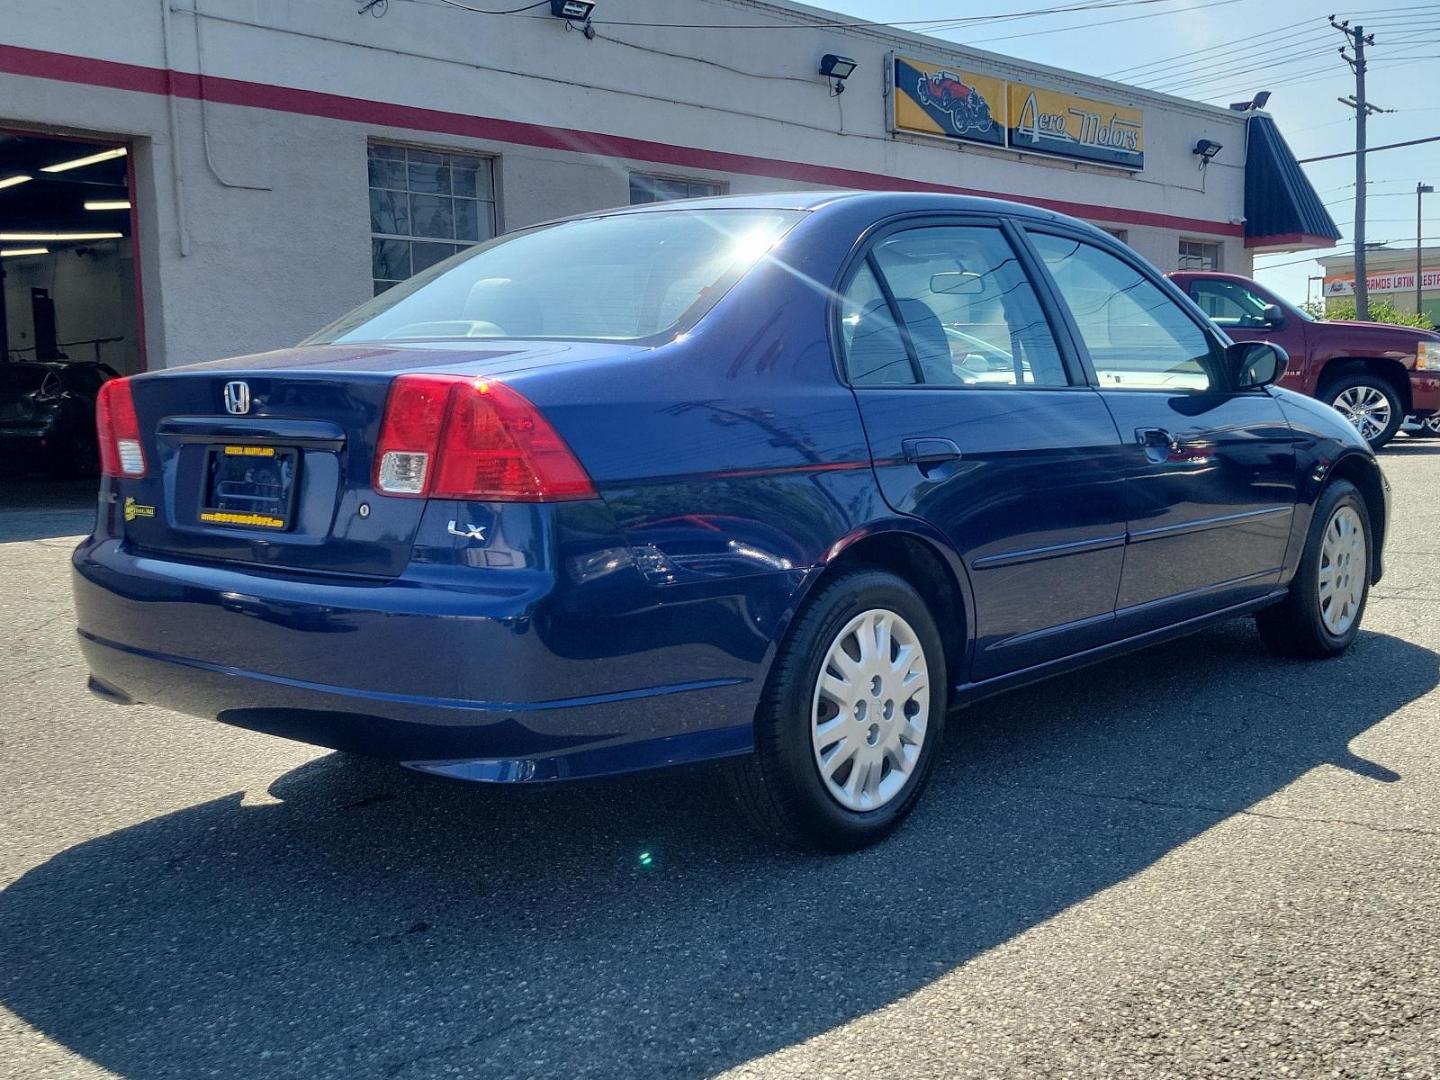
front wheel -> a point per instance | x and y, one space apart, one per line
1371 405
1429 428
1322 614
846 731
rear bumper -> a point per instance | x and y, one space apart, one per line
483 685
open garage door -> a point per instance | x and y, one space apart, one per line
70 317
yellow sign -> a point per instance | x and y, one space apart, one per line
249 451
225 517
135 510
931 99
1054 122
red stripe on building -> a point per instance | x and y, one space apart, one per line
63 67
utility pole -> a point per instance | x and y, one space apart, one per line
1357 41
1421 190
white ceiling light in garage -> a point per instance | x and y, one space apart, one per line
57 237
92 159
11 181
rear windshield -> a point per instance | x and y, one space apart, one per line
626 277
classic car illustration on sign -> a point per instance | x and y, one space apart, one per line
952 94
931 100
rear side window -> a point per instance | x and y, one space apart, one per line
875 353
971 314
1138 338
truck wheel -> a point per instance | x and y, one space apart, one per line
1322 614
1429 428
1370 403
847 727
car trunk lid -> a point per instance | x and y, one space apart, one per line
269 460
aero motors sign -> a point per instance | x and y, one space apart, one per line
953 103
1399 281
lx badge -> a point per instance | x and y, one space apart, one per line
469 532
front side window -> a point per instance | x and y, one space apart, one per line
1230 304
621 277
972 316
425 205
1138 338
647 189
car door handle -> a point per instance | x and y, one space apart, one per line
1156 438
929 451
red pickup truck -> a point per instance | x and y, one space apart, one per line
1373 373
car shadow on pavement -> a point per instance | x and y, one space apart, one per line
377 923
34 508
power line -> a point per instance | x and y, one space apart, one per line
942 23
484 11
1241 60
1135 68
1338 254
1253 65
1372 149
1102 22
1300 79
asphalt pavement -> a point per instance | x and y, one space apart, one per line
1197 861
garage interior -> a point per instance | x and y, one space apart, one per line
66 252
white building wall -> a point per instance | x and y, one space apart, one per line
267 236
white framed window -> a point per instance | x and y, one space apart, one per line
645 188
1199 255
425 205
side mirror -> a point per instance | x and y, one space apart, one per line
1274 315
1256 363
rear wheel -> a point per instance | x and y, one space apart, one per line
1370 403
1428 428
846 731
1322 614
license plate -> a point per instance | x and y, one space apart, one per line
250 487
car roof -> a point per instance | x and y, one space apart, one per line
1221 275
882 201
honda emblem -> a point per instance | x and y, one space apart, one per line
237 398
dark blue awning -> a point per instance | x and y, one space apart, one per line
1282 210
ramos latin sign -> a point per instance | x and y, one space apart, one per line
1394 281
947 102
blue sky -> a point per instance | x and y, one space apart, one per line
1285 46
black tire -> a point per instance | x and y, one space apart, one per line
76 457
780 787
1295 627
1429 428
1370 380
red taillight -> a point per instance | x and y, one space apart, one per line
121 453
449 437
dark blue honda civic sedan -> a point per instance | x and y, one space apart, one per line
779 479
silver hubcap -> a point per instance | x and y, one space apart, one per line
870 710
1366 408
1432 424
1343 569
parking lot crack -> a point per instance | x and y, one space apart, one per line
405 1065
